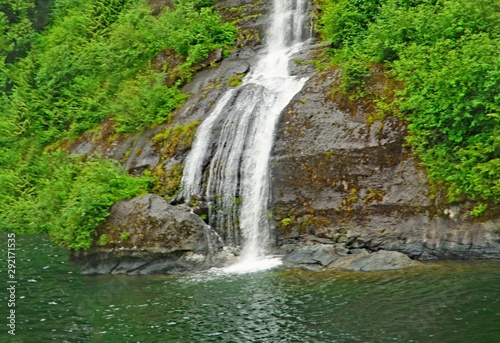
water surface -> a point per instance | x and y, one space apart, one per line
439 302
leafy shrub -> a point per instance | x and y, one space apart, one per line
355 74
344 21
445 53
154 101
97 186
65 196
93 62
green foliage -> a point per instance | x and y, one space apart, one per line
104 14
153 101
16 28
445 53
285 222
197 31
478 210
354 76
103 240
345 21
97 186
125 236
93 62
64 196
452 104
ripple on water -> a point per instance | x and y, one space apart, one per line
438 302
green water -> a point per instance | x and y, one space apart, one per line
439 302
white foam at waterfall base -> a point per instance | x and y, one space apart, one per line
253 264
239 167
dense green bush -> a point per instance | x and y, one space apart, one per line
95 186
94 61
143 101
66 196
345 21
445 53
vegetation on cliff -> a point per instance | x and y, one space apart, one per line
66 66
445 54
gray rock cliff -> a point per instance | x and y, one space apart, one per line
341 180
346 180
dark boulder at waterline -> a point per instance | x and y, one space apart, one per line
146 235
327 256
312 257
380 260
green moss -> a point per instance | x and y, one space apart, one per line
351 199
316 221
125 236
167 182
138 152
103 240
175 139
286 222
248 35
236 80
127 153
373 195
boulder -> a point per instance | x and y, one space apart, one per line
311 257
317 257
380 260
146 235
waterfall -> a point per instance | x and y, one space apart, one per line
242 125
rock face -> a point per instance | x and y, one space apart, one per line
311 257
341 178
147 235
342 182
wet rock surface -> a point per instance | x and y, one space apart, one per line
380 260
311 257
345 179
316 257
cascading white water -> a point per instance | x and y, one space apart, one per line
237 184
